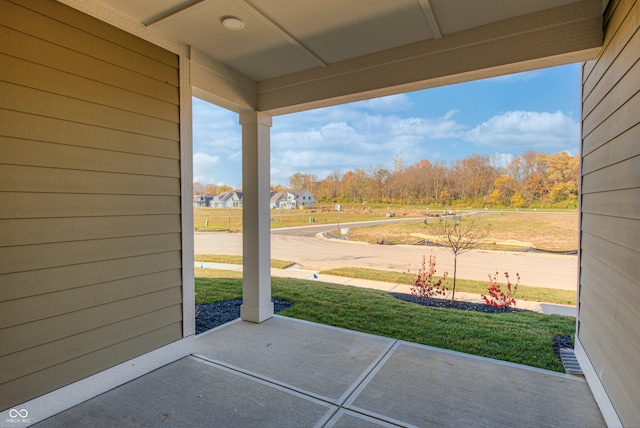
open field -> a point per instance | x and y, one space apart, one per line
546 231
553 231
524 338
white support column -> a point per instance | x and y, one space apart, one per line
256 227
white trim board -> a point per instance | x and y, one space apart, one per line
597 389
71 395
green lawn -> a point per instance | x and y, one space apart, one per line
237 260
536 294
524 338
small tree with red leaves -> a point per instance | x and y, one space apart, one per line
424 285
498 297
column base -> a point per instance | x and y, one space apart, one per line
256 314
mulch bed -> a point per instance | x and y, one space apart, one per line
212 315
461 305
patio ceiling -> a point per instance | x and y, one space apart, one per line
293 54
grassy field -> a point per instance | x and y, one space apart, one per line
524 338
231 219
237 260
557 231
547 231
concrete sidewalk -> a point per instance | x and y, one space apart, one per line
545 308
291 373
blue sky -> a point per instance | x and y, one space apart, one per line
537 110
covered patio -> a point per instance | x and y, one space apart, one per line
290 373
96 210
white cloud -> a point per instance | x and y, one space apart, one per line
205 168
349 137
526 129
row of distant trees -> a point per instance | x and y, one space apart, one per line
531 180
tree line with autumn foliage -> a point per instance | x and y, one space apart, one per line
530 180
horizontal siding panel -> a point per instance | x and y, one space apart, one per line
606 24
38 383
623 147
619 31
56 57
92 319
37 231
47 205
613 311
617 84
621 203
622 120
16 365
32 283
608 280
31 257
624 260
90 220
27 100
623 231
42 154
620 176
17 178
621 388
101 29
616 365
35 76
623 350
63 302
57 32
24 126
619 95
587 67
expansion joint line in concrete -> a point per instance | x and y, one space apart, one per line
342 403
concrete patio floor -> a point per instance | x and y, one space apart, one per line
290 373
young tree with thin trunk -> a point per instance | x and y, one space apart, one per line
460 237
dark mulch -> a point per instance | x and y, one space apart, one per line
212 315
560 342
447 303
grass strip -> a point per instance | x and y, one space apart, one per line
237 260
536 294
524 337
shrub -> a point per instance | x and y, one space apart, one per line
424 286
498 297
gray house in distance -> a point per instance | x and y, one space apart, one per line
96 207
202 201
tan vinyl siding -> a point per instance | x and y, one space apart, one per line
90 226
609 327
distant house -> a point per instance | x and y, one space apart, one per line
291 200
303 198
281 200
202 201
227 200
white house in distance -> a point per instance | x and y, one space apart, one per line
227 200
293 199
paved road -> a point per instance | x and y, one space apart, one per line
542 270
